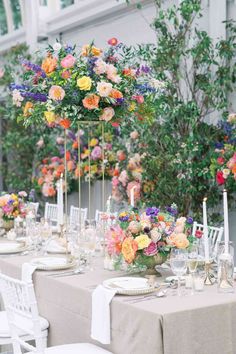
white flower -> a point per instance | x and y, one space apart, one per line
57 46
155 234
104 88
157 84
17 98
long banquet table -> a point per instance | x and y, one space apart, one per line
204 323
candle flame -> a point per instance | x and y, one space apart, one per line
61 175
225 191
205 199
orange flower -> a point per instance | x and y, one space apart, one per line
70 165
68 155
116 94
40 181
161 218
86 168
44 170
91 102
96 51
234 169
51 191
27 111
49 64
65 123
75 144
60 169
78 173
129 72
129 249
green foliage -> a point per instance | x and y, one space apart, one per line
199 75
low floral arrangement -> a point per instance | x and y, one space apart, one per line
89 84
223 163
13 205
146 238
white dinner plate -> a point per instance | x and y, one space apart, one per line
129 285
53 263
12 247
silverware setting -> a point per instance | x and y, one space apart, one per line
66 273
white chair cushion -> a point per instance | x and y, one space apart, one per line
4 326
78 348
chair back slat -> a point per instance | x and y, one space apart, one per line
78 215
214 233
51 212
20 304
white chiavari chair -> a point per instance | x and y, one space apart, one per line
34 207
51 213
214 233
20 310
19 299
77 215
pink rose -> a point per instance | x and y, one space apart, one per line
136 190
107 114
68 61
115 181
66 74
139 99
220 160
151 250
134 227
123 178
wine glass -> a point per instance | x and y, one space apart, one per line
178 264
192 262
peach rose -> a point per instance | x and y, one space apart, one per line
181 241
116 94
107 114
91 102
56 93
129 249
49 64
68 62
104 88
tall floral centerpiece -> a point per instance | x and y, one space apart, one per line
12 206
146 238
70 85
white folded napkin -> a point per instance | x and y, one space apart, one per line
27 271
54 246
101 322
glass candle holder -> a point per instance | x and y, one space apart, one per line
225 273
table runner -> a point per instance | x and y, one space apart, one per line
201 324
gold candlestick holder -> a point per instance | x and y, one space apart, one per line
209 278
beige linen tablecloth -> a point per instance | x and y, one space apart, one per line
201 324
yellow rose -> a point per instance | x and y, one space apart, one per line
96 51
84 83
50 117
143 241
94 169
93 142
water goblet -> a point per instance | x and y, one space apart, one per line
192 263
178 264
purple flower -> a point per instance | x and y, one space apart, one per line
189 220
120 101
219 145
71 135
124 218
68 48
14 86
32 195
172 210
34 67
151 250
153 211
35 96
96 153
